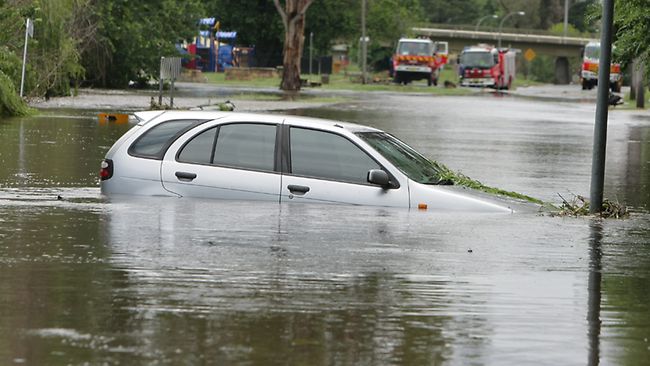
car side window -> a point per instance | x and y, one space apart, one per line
327 155
154 142
246 145
199 148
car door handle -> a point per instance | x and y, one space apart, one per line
185 176
296 189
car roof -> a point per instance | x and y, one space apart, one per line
148 116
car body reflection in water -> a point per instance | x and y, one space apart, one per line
356 284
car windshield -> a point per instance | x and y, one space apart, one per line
405 158
477 59
592 52
415 49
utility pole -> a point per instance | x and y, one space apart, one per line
311 50
639 73
600 128
566 17
364 45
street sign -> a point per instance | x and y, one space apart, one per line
530 55
30 28
170 67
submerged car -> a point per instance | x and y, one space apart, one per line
226 155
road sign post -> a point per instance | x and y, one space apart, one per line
600 127
170 68
29 32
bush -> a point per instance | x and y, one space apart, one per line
10 103
542 69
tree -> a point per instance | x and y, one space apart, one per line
632 31
550 12
293 18
257 25
456 12
133 35
387 21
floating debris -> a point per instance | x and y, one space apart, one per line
579 206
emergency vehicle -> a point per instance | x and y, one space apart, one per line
487 66
589 71
416 59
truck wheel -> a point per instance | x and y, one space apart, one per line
585 84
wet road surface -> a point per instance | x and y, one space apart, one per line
143 280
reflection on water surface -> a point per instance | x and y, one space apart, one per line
147 280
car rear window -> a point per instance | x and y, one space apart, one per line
155 141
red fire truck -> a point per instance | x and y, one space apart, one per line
487 66
589 71
416 59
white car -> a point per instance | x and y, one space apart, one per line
227 155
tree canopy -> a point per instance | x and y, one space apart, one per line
633 31
111 42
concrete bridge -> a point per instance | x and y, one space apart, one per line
559 47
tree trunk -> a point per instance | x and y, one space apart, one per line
293 17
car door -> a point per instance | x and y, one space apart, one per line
327 167
225 160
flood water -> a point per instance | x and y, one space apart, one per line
87 280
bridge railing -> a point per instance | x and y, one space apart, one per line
494 29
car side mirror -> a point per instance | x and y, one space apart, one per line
378 177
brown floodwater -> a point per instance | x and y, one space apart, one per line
89 280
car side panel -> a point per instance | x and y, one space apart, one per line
220 182
324 191
137 176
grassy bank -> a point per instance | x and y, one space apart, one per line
351 81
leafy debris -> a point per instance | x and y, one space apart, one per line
446 175
579 206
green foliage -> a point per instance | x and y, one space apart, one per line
578 15
329 23
10 65
457 178
10 102
387 21
135 34
542 69
633 31
258 24
54 56
572 31
458 12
